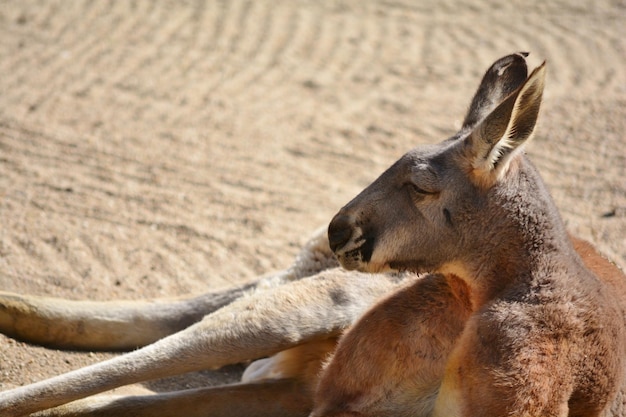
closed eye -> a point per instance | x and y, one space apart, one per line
416 189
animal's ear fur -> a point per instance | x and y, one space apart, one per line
494 141
505 76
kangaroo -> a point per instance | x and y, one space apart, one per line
495 310
517 325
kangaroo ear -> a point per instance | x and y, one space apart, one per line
501 79
494 141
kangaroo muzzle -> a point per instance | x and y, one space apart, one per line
340 232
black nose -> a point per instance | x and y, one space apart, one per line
339 232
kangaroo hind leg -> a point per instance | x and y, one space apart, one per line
271 398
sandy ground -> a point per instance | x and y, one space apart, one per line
150 149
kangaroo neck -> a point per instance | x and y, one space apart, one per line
522 238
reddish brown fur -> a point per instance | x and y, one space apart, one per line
393 358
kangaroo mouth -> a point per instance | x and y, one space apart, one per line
351 260
356 257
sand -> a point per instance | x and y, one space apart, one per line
152 149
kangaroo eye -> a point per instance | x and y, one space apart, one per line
416 189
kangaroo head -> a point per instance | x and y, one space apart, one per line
440 204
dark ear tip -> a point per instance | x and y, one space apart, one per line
524 54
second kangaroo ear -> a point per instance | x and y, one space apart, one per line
494 141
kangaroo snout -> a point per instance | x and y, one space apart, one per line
339 231
351 243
